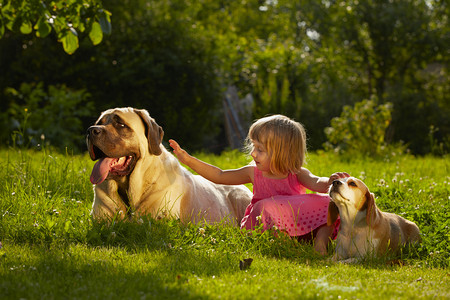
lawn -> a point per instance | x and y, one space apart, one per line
52 249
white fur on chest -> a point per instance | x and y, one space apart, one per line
356 242
163 178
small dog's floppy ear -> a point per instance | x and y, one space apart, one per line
333 213
153 131
372 216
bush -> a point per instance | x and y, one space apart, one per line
360 129
52 118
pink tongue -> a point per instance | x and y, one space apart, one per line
101 170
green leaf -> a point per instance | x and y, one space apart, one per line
67 226
105 23
26 27
81 27
60 23
50 223
42 27
96 34
70 42
2 29
8 15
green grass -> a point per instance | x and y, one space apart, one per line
51 249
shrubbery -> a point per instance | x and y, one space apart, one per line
360 129
50 116
305 59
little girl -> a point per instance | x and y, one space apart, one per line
277 145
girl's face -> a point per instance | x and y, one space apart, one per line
261 157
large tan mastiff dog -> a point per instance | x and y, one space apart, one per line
365 229
135 174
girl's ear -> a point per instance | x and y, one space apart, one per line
333 213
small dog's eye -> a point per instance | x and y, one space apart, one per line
352 183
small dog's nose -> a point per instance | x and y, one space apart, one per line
337 182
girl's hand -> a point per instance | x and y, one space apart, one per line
336 176
210 172
181 154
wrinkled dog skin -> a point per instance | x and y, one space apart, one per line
136 174
364 228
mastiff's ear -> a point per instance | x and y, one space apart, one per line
333 213
153 131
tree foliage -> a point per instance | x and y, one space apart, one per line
67 19
305 59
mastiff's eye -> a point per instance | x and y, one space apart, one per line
352 183
120 124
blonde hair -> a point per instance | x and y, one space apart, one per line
284 140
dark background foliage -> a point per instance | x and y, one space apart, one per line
175 58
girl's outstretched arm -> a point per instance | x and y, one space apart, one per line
318 184
210 172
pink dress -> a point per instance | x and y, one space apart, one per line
284 203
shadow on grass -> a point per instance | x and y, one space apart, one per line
68 272
146 258
174 238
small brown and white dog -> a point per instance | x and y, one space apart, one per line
136 174
365 229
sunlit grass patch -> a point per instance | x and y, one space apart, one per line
51 248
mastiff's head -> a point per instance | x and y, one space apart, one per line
119 138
